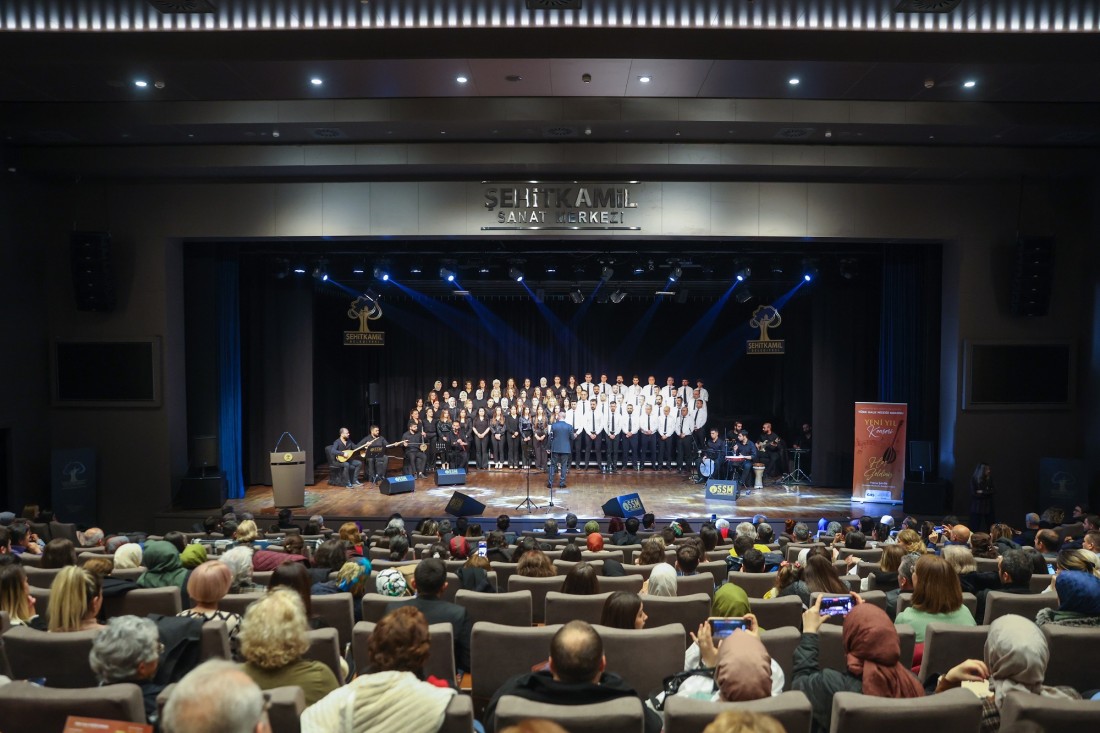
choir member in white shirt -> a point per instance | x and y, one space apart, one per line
685 449
588 384
592 426
652 391
648 439
668 392
704 395
685 389
613 428
629 439
699 417
634 389
666 438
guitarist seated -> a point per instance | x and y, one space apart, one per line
771 450
345 446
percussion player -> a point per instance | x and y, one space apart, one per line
714 449
746 448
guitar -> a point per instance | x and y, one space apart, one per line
345 455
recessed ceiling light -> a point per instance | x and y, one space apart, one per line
970 84
316 81
793 81
141 83
645 79
461 79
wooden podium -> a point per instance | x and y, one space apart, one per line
288 478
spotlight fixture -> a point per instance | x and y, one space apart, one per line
809 271
606 273
617 297
676 274
416 270
299 270
282 268
516 274
320 270
141 83
461 79
358 269
483 270
316 81
645 79
639 270
794 81
743 295
742 274
551 270
970 84
446 274
381 274
576 296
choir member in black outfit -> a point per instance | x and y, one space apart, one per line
480 430
513 441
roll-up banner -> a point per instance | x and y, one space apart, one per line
878 472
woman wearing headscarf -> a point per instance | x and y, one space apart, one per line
729 601
740 669
594 541
128 556
1016 656
1078 601
163 569
872 653
661 581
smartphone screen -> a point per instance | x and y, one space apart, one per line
482 549
836 606
720 628
1050 568
938 530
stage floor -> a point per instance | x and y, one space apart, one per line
666 494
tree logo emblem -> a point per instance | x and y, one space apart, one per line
365 308
765 317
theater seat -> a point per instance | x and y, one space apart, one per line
441 652
498 652
685 715
144 601
617 716
238 602
774 613
946 645
689 585
284 707
781 644
539 587
215 640
688 611
562 608
26 706
831 645
324 647
336 610
511 609
62 659
458 717
998 603
630 583
664 654
954 711
374 605
1073 655
1048 713
755 585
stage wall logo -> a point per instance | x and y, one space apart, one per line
563 206
365 309
765 317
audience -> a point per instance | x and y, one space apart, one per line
207 586
961 560
128 556
661 582
1014 574
239 560
350 578
75 599
581 580
429 582
571 553
215 696
821 577
296 577
390 693
937 598
15 595
128 650
59 553
623 610
273 640
390 582
535 564
652 552
1078 601
629 534
873 657
736 669
163 568
789 582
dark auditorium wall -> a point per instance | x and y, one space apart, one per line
144 452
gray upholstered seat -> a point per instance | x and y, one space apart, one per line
773 613
685 715
565 607
689 585
664 654
62 659
998 603
832 646
954 711
781 644
512 609
1049 714
755 585
539 587
337 610
498 652
945 645
324 647
144 601
441 653
1073 655
623 715
26 706
688 611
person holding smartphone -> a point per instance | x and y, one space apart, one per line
872 650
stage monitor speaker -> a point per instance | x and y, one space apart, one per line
1032 276
450 477
403 484
373 393
925 498
202 492
461 505
627 505
204 452
920 456
92 271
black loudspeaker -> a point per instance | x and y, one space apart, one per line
925 498
202 492
404 484
627 505
461 505
373 393
450 477
920 456
1032 276
93 275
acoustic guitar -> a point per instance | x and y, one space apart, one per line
345 455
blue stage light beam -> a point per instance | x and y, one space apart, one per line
691 341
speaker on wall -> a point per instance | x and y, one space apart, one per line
920 456
373 393
92 271
1032 276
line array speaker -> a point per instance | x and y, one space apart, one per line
1032 276
93 274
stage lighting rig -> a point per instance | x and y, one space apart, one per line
576 296
606 273
618 296
809 270
447 274
742 275
516 274
743 295
380 273
320 270
676 274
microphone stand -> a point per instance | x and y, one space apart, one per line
527 504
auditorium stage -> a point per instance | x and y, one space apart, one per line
667 495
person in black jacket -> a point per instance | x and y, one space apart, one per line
577 676
629 535
430 580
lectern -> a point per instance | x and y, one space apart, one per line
288 474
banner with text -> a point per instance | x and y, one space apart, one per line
878 473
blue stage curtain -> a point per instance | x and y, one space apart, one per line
229 376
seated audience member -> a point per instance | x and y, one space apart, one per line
623 610
591 526
75 599
353 539
273 640
736 669
535 564
23 539
614 526
872 652
886 574
1014 572
937 598
1039 565
577 676
1078 601
742 721
504 522
801 533
429 582
246 533
572 553
911 542
329 557
15 595
497 547
752 561
215 696
652 552
239 560
961 560
207 586
661 582
268 560
1016 656
59 553
296 577
286 521
351 578
391 692
789 582
821 577
550 528
193 556
765 534
709 537
687 559
128 650
103 567
905 582
1046 542
459 548
581 580
1091 542
629 534
1003 538
91 537
594 542
176 539
571 524
981 544
390 582
128 556
474 575
163 568
1031 528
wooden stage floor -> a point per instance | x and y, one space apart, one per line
667 495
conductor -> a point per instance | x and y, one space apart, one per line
561 448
